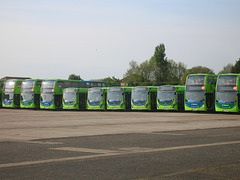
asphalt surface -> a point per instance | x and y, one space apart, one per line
118 145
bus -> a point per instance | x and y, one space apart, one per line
228 93
11 93
170 97
97 99
119 98
200 92
144 98
75 98
30 93
52 91
1 90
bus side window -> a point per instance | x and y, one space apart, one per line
60 84
104 84
82 84
19 84
212 80
88 85
39 84
67 84
75 84
93 84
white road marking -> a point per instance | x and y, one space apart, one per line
99 151
130 151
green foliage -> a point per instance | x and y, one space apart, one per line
236 67
175 72
161 64
226 69
74 77
156 71
112 81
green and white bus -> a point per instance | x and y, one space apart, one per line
75 98
119 98
144 98
228 93
200 92
30 93
170 98
97 99
52 91
11 93
1 90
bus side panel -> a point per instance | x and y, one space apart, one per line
37 100
153 101
17 100
105 100
0 99
180 101
238 102
58 101
82 101
128 101
210 101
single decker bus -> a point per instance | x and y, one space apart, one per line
75 98
228 93
97 99
144 98
200 92
119 98
170 98
11 93
30 93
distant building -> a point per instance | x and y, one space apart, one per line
11 77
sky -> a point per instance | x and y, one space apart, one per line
98 38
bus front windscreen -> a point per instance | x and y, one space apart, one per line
139 97
227 89
69 97
114 97
8 97
95 98
46 97
9 84
27 86
26 97
226 97
166 97
48 84
195 96
196 80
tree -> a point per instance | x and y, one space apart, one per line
74 77
176 72
236 67
196 70
112 81
156 71
226 69
161 70
132 76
